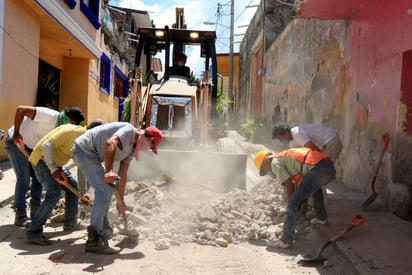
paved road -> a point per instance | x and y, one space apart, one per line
66 256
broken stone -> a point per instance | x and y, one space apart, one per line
140 219
226 236
207 212
221 242
162 244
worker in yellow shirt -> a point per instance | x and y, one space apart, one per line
48 158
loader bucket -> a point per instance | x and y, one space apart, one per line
219 171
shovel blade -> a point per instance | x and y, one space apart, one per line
369 201
307 260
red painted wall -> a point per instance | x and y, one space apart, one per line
378 37
406 89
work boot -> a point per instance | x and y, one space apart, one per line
39 240
21 220
96 244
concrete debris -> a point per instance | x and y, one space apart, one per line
176 213
57 216
221 242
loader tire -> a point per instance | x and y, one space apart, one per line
226 145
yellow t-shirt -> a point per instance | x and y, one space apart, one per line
62 139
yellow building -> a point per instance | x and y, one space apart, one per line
223 64
63 36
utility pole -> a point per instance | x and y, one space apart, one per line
230 92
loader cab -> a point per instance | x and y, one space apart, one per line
172 102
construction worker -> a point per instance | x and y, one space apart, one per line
313 136
30 125
116 141
179 66
306 169
48 158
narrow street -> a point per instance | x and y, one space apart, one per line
67 256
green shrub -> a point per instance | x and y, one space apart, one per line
255 130
126 109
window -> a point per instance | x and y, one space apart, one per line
105 74
70 3
120 89
120 84
91 8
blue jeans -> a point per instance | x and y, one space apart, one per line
93 170
24 171
323 173
53 194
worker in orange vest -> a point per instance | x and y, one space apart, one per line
308 171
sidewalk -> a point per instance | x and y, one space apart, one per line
382 245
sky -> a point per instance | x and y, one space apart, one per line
196 12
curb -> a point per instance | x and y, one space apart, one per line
358 265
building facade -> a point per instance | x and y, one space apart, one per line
346 65
60 40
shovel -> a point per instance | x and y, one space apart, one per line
305 261
84 199
372 197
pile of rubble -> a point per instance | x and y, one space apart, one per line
168 213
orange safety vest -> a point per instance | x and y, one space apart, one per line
304 156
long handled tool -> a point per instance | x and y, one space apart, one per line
63 181
356 221
83 198
132 234
372 197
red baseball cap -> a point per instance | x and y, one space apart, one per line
156 134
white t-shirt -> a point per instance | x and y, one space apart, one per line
318 134
33 130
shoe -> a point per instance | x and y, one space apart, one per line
74 227
316 221
21 221
39 240
274 243
97 244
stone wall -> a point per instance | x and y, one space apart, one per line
310 75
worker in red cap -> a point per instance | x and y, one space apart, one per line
95 153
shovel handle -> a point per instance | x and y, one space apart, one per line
358 220
84 199
385 142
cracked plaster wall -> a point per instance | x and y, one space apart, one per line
314 74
